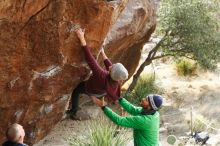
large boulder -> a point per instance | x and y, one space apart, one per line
130 32
41 61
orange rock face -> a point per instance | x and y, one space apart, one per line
41 61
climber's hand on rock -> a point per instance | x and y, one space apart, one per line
80 34
103 54
102 51
99 102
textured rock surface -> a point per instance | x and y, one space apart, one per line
41 61
131 31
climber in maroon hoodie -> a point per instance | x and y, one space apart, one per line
103 82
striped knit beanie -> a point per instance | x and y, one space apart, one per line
155 101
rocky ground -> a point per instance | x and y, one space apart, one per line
200 92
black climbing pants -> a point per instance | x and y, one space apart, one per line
75 97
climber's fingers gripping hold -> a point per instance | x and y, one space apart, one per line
81 36
80 33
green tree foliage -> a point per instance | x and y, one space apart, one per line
186 28
191 29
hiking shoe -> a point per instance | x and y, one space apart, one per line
80 115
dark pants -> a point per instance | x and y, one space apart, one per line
75 97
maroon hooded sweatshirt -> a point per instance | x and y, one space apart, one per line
99 82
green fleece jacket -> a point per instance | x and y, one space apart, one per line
145 127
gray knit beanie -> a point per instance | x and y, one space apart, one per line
118 72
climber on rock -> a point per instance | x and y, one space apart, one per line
15 136
103 82
145 120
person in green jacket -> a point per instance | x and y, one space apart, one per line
144 120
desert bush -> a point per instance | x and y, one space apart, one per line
145 85
200 123
101 132
186 68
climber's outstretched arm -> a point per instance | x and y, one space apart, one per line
103 54
94 66
107 62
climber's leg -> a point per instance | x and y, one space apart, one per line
77 114
75 97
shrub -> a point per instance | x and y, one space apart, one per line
101 132
186 68
200 124
145 85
